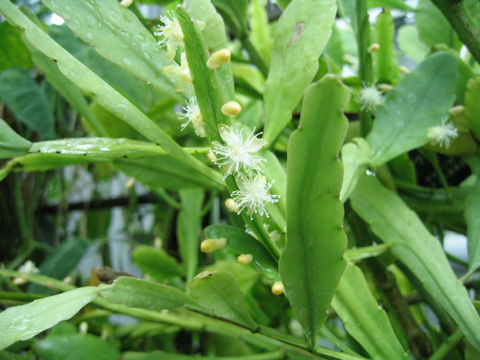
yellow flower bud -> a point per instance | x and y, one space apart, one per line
278 288
218 58
231 108
403 69
373 48
210 245
385 87
126 3
457 110
231 205
245 259
212 157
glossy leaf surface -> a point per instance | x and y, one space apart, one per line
109 98
11 144
219 293
300 37
363 318
420 101
242 243
145 294
23 322
156 263
399 227
316 241
118 35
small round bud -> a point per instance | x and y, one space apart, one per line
157 243
130 182
457 110
231 205
20 280
231 108
83 327
278 288
126 3
67 280
385 87
218 58
373 48
211 245
403 70
245 259
212 157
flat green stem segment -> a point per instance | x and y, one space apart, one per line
219 293
472 105
420 101
118 35
312 262
11 144
364 319
240 242
399 227
204 79
472 209
145 294
25 321
105 95
300 37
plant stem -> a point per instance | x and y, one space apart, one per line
255 57
462 23
365 71
447 345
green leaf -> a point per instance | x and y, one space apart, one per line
400 228
118 35
218 292
260 29
156 263
204 80
25 321
421 100
165 172
163 355
106 96
61 262
13 52
67 89
312 262
215 36
364 319
240 242
245 276
75 347
145 294
300 37
189 222
355 158
410 43
234 13
472 209
27 101
472 105
11 144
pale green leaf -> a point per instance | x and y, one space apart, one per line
25 321
312 262
11 144
300 37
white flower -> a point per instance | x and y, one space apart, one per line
253 195
171 34
192 113
180 74
28 268
443 134
370 98
239 152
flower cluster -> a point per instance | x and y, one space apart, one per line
370 98
238 156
